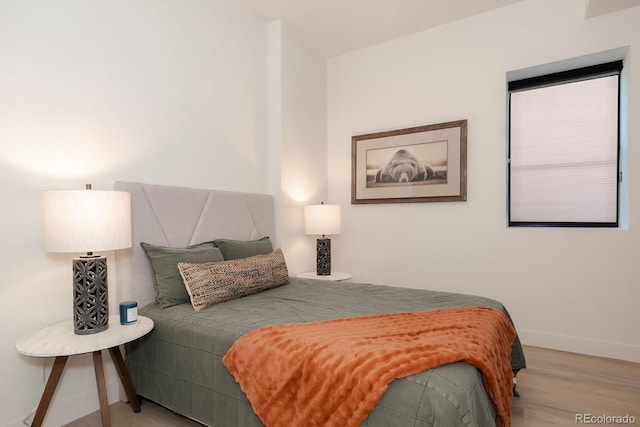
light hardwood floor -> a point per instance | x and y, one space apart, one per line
554 388
558 385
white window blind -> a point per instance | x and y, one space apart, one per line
564 153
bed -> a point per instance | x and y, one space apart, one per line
179 365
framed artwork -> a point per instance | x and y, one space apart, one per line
418 164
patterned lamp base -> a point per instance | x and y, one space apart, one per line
90 295
323 257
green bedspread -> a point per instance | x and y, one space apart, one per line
179 364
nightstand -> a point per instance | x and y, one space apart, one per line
58 340
334 277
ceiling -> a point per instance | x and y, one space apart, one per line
338 26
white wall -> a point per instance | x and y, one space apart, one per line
303 152
296 117
167 92
572 289
296 129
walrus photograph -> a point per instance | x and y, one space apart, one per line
417 164
411 165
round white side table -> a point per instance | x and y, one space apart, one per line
334 277
58 340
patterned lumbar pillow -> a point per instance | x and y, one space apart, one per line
210 283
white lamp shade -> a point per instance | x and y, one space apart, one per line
86 220
322 219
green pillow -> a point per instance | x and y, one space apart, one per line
170 289
236 249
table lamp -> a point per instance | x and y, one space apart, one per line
322 220
86 221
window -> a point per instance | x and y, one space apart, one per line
563 166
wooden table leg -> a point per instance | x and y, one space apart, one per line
47 394
125 379
102 389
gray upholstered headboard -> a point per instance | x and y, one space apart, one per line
179 217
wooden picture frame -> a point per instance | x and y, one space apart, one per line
412 165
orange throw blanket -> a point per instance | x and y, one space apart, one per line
334 372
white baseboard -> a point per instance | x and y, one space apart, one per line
614 350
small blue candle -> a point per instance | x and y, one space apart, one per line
128 312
